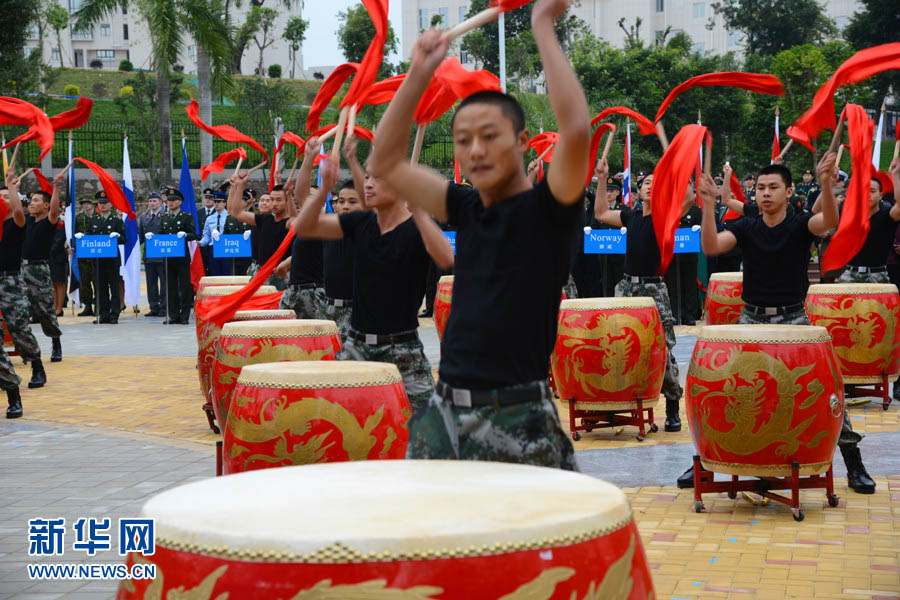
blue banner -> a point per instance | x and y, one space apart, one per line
687 241
612 241
96 246
165 246
451 235
232 245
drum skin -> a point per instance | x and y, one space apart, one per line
609 352
862 319
297 413
252 342
216 280
442 304
724 304
761 396
590 553
207 334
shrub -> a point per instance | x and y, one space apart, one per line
99 89
71 90
275 71
318 75
96 64
126 65
126 91
184 94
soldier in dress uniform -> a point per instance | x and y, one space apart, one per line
109 300
85 265
612 265
203 213
154 268
178 283
808 190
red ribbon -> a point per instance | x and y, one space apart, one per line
4 210
452 82
853 227
286 137
224 132
542 141
218 165
371 62
645 125
887 184
738 191
70 119
18 112
45 184
670 181
383 91
508 5
595 148
755 82
113 190
326 92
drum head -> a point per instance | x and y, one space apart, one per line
282 328
319 374
386 510
224 290
446 279
225 280
258 315
851 289
607 303
727 276
764 334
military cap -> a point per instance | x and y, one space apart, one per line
208 192
170 191
154 195
808 172
101 197
613 184
87 199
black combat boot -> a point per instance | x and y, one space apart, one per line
56 354
38 376
15 403
857 477
673 421
87 312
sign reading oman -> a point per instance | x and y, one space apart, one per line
612 241
97 246
165 246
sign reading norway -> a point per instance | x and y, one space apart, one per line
165 246
232 245
97 246
612 241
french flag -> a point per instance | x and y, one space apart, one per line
189 205
626 184
131 258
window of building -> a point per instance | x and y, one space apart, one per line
734 38
424 22
74 5
660 5
699 47
88 34
463 11
699 10
192 52
106 55
463 54
445 16
105 30
32 32
841 22
125 31
54 55
124 8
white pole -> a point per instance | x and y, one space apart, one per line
501 31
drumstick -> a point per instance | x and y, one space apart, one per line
707 159
609 141
238 167
417 146
351 121
328 134
896 150
257 167
294 166
836 139
546 152
786 148
339 134
840 154
26 173
12 162
661 134
473 22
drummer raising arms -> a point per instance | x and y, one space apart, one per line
514 241
641 279
776 250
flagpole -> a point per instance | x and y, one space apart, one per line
876 150
501 28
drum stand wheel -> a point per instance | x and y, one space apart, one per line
881 390
705 483
211 417
639 417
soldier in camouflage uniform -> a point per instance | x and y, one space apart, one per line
85 265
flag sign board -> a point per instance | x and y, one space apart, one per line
612 241
97 246
165 246
232 246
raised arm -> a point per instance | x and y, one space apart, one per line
436 243
570 156
312 222
728 200
12 191
54 198
236 199
356 170
712 241
601 206
826 171
894 171
421 186
688 201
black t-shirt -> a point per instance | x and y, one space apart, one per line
270 235
338 269
512 259
11 246
775 259
880 241
38 238
388 274
641 250
306 261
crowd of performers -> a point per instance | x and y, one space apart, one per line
365 265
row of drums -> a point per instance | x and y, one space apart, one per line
350 527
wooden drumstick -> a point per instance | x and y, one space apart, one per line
339 135
12 162
609 141
836 139
707 159
238 167
328 134
22 176
839 155
896 150
351 121
473 22
294 166
257 167
417 146
661 134
546 152
786 148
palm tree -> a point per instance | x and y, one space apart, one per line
168 22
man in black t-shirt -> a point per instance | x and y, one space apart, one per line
269 229
40 229
776 251
514 253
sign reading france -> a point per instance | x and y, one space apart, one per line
165 246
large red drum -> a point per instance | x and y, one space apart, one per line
442 304
724 304
297 413
862 319
215 280
243 343
759 397
609 352
422 530
263 315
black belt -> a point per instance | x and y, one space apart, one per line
340 302
636 279
304 286
773 310
38 261
510 396
373 339
882 269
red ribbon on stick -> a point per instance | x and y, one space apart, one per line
224 132
218 165
760 83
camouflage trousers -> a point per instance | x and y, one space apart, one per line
8 378
307 304
279 282
16 310
409 357
851 276
671 388
338 314
40 293
848 437
527 433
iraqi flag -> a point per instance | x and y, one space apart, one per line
189 205
131 251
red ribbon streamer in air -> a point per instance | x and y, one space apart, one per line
738 191
45 184
451 82
218 165
286 138
887 185
113 190
371 62
755 82
18 112
542 141
508 5
645 125
670 181
853 227
383 91
70 119
224 132
326 92
860 66
595 148
4 210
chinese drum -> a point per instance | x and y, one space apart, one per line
207 334
442 304
243 343
222 280
263 315
759 397
396 530
724 304
609 352
298 413
862 319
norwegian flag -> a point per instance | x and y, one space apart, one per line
626 184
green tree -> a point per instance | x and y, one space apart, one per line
770 26
262 39
137 101
268 99
295 33
877 23
58 20
356 31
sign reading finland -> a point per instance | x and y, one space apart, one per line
97 246
451 236
612 241
232 245
165 246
